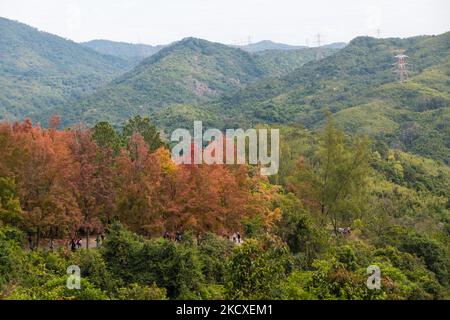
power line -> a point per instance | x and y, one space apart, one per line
401 67
319 53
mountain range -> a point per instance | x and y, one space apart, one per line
39 71
270 45
42 74
134 52
359 85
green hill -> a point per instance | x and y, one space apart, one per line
359 85
189 72
39 71
269 45
225 86
282 62
133 52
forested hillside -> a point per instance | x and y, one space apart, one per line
281 62
269 45
359 85
169 231
363 179
189 72
39 71
134 52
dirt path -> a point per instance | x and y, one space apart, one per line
59 243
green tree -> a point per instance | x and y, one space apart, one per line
138 292
334 182
145 128
254 272
171 266
10 211
298 231
213 250
105 136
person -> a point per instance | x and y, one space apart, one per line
79 243
97 240
344 231
73 245
166 235
239 237
30 241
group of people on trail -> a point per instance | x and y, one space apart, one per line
344 231
178 236
76 244
237 238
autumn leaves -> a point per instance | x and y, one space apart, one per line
68 183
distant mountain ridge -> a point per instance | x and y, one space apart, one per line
266 45
39 71
194 79
189 72
123 50
43 74
359 85
138 51
269 45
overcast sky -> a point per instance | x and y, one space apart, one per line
230 21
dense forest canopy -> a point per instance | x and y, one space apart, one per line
87 177
61 184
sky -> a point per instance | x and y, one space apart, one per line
231 21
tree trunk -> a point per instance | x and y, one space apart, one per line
87 238
51 238
38 237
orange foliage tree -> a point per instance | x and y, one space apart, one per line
67 183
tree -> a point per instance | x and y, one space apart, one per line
12 146
137 180
138 292
334 182
144 127
171 266
10 210
44 181
92 181
105 136
254 271
298 231
207 198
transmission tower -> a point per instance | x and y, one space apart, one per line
400 67
319 54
